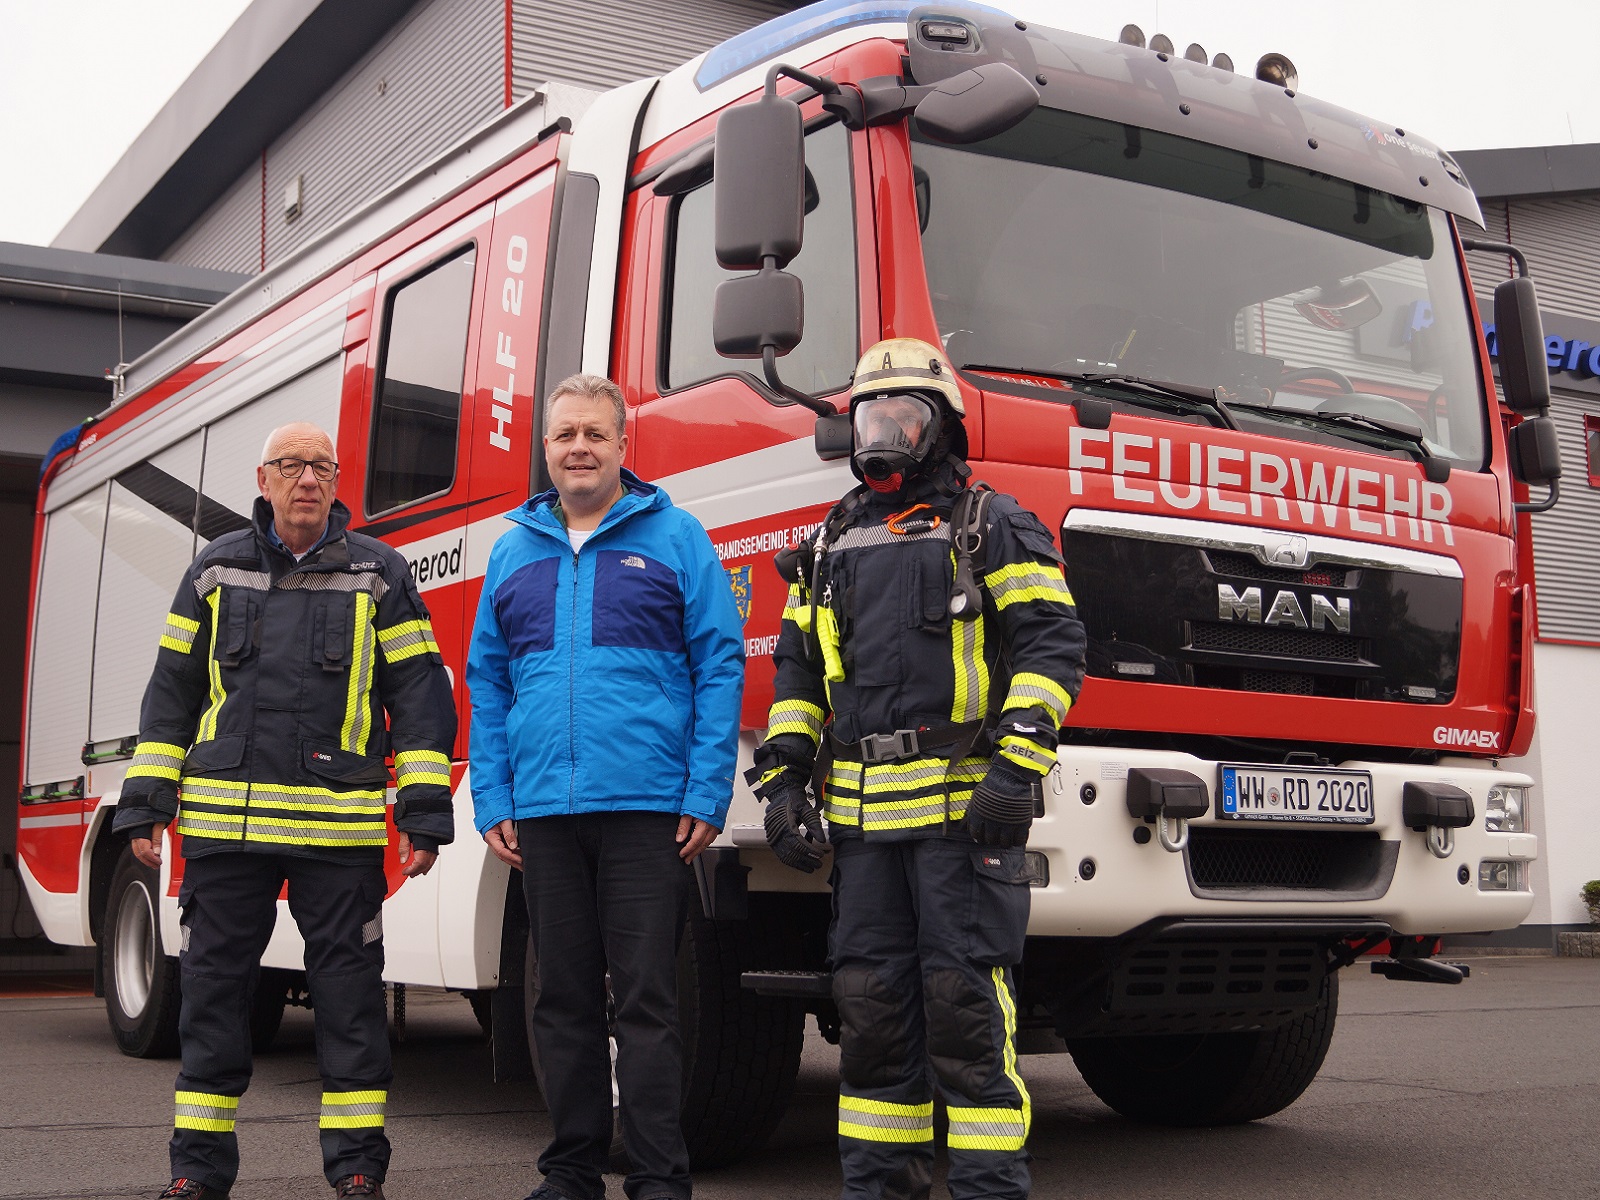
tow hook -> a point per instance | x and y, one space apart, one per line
1159 794
1438 810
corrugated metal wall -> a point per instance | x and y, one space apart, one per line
602 43
228 237
1561 237
437 76
1566 539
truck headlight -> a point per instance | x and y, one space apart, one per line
1505 810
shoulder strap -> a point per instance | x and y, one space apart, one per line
969 521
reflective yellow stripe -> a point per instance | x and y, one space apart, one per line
357 709
407 640
205 1111
795 716
1037 691
1026 754
421 766
1018 583
971 671
156 760
881 1121
987 1128
353 1110
1008 1008
179 633
208 719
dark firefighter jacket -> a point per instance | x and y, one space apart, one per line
263 723
884 655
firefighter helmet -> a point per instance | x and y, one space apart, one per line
907 365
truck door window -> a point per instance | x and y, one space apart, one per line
826 356
417 411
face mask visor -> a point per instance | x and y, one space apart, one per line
893 434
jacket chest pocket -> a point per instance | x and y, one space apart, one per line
238 626
929 578
334 628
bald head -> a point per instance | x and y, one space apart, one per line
298 439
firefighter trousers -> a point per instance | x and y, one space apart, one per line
230 903
924 936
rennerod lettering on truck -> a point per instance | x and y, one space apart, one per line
1218 334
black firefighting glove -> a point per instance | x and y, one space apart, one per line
793 825
1001 808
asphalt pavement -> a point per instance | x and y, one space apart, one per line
1487 1089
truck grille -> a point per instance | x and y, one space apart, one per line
1243 566
1287 860
1278 643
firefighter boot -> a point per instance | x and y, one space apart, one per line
191 1189
358 1185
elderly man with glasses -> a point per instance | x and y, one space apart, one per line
262 741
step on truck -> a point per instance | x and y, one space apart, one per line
1219 335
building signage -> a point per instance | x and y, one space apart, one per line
1572 351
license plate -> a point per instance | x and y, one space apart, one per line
1300 794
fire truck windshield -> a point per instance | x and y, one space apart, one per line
1073 246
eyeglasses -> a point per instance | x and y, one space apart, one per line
292 468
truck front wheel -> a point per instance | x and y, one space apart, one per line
1210 1078
141 982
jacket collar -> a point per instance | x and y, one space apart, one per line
261 519
539 513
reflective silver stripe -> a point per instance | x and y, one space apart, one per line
260 830
1025 695
1041 579
336 581
214 577
881 535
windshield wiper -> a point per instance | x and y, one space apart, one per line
1436 469
1184 393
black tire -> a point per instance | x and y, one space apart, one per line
141 983
266 1008
1212 1078
741 1051
481 1001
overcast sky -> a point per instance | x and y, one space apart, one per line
80 78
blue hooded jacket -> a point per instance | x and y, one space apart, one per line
608 679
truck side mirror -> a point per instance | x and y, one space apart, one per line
1535 450
753 312
1519 338
976 104
760 173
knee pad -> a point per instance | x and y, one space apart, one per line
874 1041
961 1048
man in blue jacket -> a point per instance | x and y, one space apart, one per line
606 669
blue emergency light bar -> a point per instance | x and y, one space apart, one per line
773 37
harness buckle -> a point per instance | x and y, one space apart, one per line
888 747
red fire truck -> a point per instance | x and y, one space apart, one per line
1216 333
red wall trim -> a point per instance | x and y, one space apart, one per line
263 209
1567 641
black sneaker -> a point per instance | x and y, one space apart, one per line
358 1185
191 1189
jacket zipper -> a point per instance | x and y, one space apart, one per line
572 662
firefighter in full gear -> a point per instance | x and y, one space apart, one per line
929 653
262 741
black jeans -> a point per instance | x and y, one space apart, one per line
230 904
608 892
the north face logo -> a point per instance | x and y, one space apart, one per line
633 560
